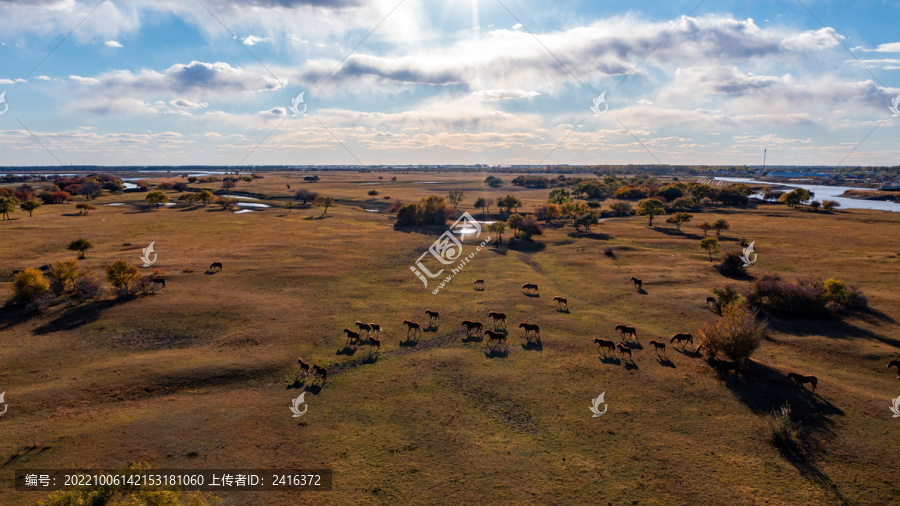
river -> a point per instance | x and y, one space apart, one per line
827 193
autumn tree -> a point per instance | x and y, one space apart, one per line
651 208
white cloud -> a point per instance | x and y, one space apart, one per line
252 40
112 43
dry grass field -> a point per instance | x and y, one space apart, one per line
201 374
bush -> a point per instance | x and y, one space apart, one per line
828 205
621 208
807 298
88 288
395 206
728 295
838 293
732 264
29 285
406 215
783 432
63 273
737 334
122 275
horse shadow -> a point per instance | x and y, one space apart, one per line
641 291
432 327
532 295
409 342
630 364
563 310
312 386
665 362
210 272
473 339
610 360
634 345
497 352
347 350
686 352
534 345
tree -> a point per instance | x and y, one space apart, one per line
205 196
482 203
509 202
586 221
156 197
515 222
373 193
394 179
84 208
621 208
493 181
305 196
121 274
455 197
498 228
651 208
530 227
80 245
228 183
64 272
29 285
559 196
828 205
720 225
190 198
737 334
324 202
166 186
705 227
7 205
408 214
574 210
29 206
553 212
710 245
227 203
679 219
796 197
815 205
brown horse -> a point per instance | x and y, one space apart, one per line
530 286
500 337
624 350
895 363
433 315
375 343
215 266
412 327
658 345
637 282
352 337
304 367
159 281
470 326
531 327
626 330
561 300
603 343
364 326
498 317
699 348
479 283
799 379
320 371
724 366
681 338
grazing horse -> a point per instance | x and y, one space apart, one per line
561 300
659 346
303 366
159 281
531 327
637 282
375 343
724 366
479 283
470 326
364 326
433 315
681 338
624 350
710 300
498 317
799 379
697 351
320 371
626 330
500 337
376 328
895 363
352 337
215 266
530 286
412 327
603 343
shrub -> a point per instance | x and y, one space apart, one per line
783 432
530 227
808 298
610 252
373 193
621 208
80 245
63 273
29 285
728 295
737 334
839 293
122 275
84 208
88 288
395 206
732 264
828 205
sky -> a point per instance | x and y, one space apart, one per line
345 82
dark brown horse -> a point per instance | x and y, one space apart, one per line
561 301
531 327
658 345
681 338
320 371
530 286
159 281
500 337
637 282
215 266
498 317
364 326
626 330
352 337
895 363
412 327
624 350
800 379
375 343
433 315
479 283
603 343
723 366
304 367
470 326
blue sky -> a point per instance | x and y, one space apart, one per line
142 82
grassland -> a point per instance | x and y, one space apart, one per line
201 374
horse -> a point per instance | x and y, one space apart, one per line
659 346
303 366
364 326
710 300
799 379
624 350
531 327
433 315
637 282
530 286
412 326
479 283
895 363
626 330
561 300
352 337
215 265
375 343
697 351
498 317
376 328
724 366
681 338
320 371
500 337
470 326
159 281
603 343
